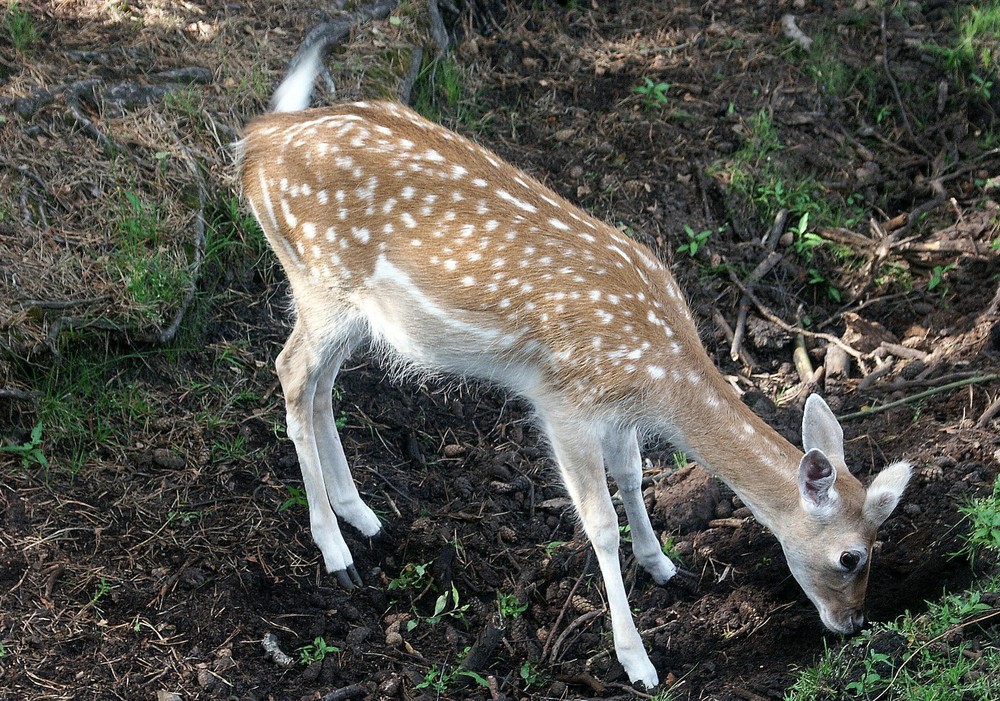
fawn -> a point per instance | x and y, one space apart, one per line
398 233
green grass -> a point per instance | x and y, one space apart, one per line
439 87
973 53
769 182
19 28
977 46
89 400
155 281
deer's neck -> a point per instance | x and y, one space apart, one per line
725 437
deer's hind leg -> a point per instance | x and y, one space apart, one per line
307 365
337 479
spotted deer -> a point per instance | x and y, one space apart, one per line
401 235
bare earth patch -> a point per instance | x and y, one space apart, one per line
161 534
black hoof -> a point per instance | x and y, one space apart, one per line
348 579
355 577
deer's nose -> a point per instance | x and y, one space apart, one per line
856 622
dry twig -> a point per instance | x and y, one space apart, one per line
978 379
763 268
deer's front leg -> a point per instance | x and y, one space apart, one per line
623 461
578 452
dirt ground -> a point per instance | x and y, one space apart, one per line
150 558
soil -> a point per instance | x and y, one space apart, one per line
158 565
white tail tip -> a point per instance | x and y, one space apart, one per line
296 89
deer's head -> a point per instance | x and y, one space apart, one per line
828 544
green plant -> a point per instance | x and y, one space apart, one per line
446 605
30 451
654 95
182 518
532 676
552 546
413 576
102 589
981 86
804 241
20 27
983 515
439 678
510 606
680 459
296 499
817 279
872 678
316 651
696 241
669 547
937 278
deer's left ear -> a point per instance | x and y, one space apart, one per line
886 489
821 430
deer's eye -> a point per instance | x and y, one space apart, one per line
849 560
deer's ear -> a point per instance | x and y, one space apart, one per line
886 489
816 478
821 430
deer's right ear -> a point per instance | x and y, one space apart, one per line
821 430
885 491
816 478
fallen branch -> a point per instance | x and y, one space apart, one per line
481 651
578 622
21 395
978 379
791 328
562 612
727 523
347 692
748 359
991 411
892 82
